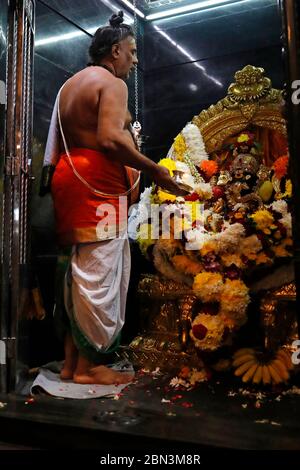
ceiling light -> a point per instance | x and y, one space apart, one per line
188 55
189 8
60 37
131 7
75 34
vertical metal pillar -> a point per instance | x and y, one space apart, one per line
14 250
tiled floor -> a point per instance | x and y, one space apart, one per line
150 413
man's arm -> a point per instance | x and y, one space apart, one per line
113 139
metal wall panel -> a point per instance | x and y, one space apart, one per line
17 164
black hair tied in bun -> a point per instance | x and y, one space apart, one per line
116 19
105 37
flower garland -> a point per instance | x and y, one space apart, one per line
207 332
281 166
180 147
144 238
189 147
194 143
233 298
209 167
209 250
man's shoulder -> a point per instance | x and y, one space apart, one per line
115 83
100 77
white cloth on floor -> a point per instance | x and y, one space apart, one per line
51 383
96 295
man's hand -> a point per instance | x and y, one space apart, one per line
163 179
113 140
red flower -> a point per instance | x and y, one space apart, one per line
185 372
232 272
187 404
199 331
218 192
192 197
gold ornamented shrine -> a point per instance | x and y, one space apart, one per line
168 304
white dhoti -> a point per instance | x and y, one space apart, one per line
96 288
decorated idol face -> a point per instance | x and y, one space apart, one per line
244 167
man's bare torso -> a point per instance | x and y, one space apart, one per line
79 106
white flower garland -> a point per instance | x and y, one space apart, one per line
286 221
195 144
140 213
204 190
279 206
227 241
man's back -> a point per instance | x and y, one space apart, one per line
79 106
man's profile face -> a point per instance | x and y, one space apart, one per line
127 59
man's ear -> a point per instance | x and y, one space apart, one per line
115 50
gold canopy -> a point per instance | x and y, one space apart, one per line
251 100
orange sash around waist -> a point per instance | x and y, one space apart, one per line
80 212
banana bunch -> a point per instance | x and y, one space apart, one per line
257 366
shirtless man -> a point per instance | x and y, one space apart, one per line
98 98
94 117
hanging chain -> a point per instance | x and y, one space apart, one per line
136 96
136 125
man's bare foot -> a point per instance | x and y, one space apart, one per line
66 374
71 356
103 376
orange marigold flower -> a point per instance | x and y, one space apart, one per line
185 264
185 372
281 166
209 167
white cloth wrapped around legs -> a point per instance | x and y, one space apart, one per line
96 288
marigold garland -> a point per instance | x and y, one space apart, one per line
169 164
179 147
262 258
208 247
288 189
186 265
234 300
263 220
209 167
163 197
281 252
281 166
223 245
208 286
207 331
